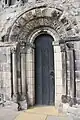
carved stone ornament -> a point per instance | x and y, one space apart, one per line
27 23
63 47
70 45
13 49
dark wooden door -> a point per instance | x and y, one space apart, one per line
44 70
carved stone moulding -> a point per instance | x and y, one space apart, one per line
36 18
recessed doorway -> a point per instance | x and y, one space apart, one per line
44 70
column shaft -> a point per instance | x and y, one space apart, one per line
30 75
14 73
23 73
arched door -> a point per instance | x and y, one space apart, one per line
44 70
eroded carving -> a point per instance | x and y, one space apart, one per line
26 23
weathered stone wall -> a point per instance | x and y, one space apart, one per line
5 73
70 9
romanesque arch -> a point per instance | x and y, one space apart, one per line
24 30
37 18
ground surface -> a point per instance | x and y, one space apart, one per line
42 113
36 113
9 112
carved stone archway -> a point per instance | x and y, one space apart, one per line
37 18
25 29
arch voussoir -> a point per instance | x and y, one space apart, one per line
38 17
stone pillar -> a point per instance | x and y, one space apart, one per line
72 74
30 75
64 69
14 72
68 71
58 72
23 73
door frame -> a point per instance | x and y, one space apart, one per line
57 62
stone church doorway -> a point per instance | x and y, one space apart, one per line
44 70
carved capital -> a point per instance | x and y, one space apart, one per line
62 47
22 46
70 46
13 49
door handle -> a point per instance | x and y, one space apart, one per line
52 73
